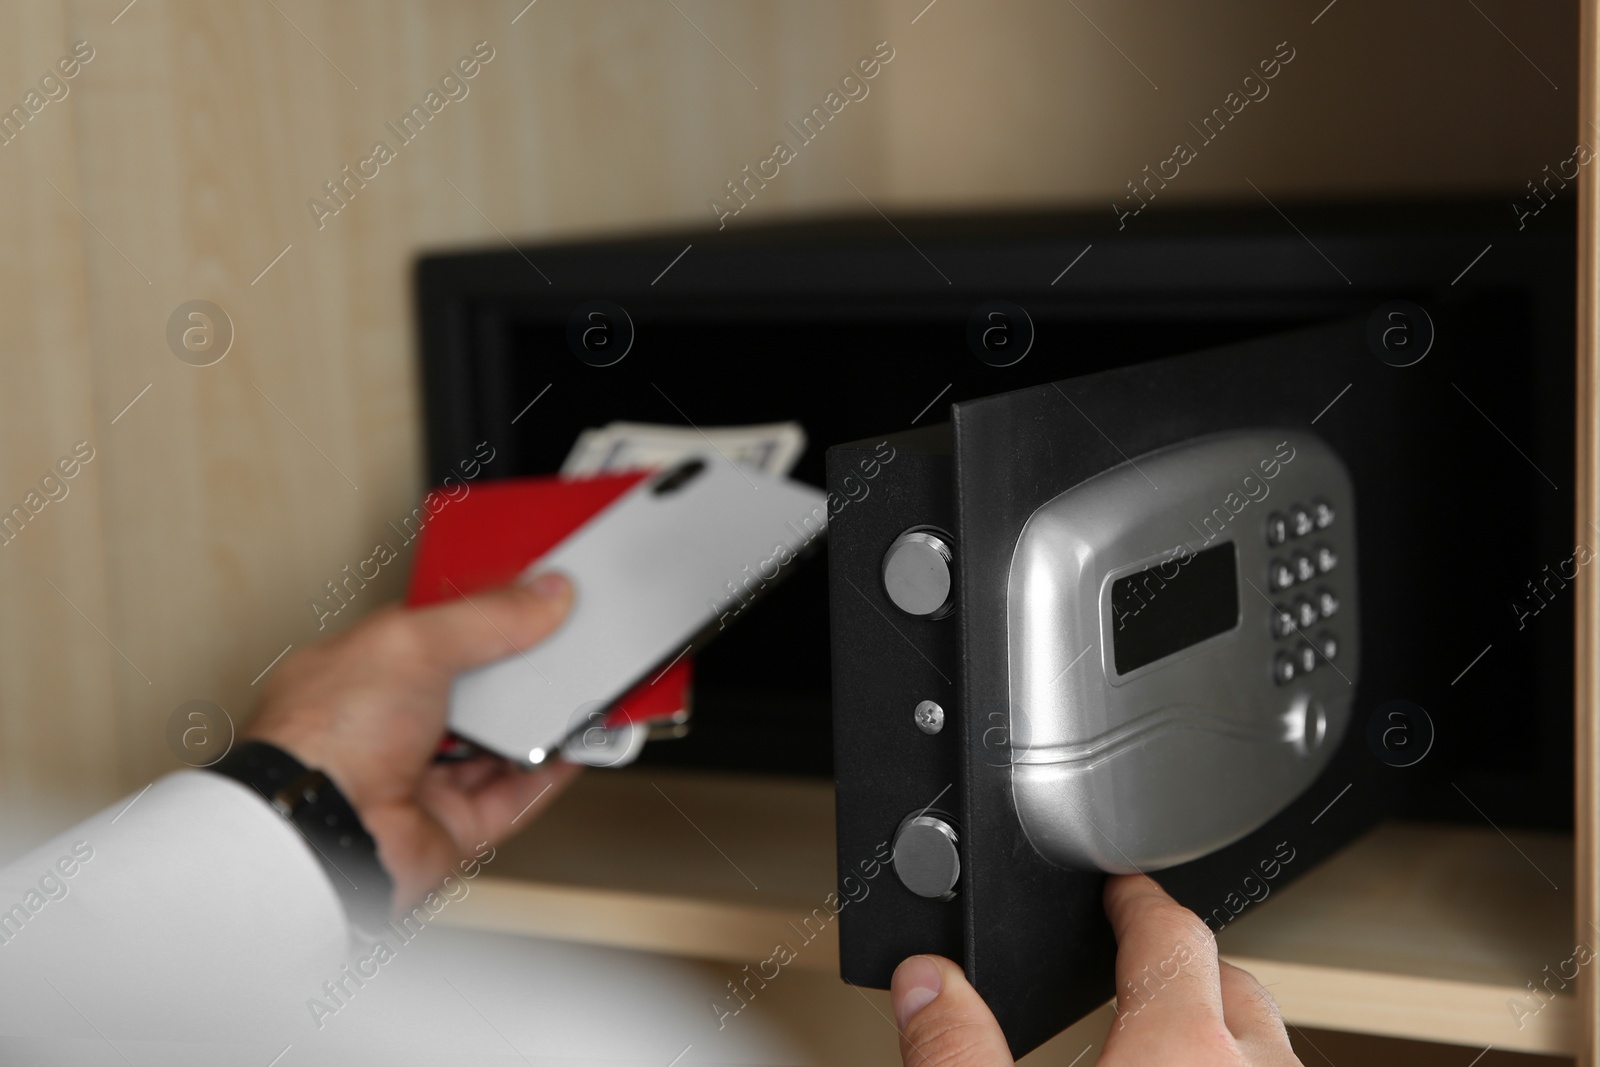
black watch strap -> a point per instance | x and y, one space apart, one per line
325 819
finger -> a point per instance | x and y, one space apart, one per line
942 1020
1166 959
469 775
466 633
498 806
1254 1018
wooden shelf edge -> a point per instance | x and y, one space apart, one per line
1419 1009
1390 1005
642 922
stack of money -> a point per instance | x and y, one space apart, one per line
772 448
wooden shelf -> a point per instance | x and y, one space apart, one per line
1422 931
1417 931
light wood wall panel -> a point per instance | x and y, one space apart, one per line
58 676
1586 644
1032 100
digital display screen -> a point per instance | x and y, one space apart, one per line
1179 602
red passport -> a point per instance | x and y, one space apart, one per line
488 536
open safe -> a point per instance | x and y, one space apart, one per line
1052 532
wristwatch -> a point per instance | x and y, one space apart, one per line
314 806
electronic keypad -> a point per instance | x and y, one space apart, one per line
1182 648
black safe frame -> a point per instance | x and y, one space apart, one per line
492 330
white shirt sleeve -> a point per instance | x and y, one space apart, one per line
191 908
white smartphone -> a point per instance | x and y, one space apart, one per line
657 572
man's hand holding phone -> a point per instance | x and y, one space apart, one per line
368 708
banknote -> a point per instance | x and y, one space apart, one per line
771 447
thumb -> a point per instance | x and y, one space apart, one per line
942 1020
469 632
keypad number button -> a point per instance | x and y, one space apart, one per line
1277 529
1327 603
1305 568
1326 558
1322 514
1328 645
1305 613
1305 658
1283 668
1280 575
1283 621
1301 521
